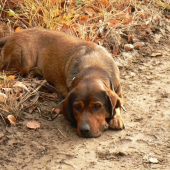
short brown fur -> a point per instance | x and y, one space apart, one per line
81 71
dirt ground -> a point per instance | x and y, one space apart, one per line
144 144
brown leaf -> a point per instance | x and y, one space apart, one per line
12 119
18 29
33 124
115 50
11 77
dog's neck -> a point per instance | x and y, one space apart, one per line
92 73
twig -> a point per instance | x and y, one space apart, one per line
28 95
61 133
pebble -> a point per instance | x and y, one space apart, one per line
128 47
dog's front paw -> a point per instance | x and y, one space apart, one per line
117 122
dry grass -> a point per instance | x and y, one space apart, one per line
84 18
17 96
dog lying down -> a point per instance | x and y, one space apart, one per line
83 72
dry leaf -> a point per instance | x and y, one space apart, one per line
11 77
33 124
156 54
18 29
115 50
12 119
20 85
55 113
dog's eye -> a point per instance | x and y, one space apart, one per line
97 106
77 107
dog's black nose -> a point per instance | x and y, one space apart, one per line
85 129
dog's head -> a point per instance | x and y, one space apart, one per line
90 105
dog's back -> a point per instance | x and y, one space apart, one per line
58 57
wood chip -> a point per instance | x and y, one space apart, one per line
156 54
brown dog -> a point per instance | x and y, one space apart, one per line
83 72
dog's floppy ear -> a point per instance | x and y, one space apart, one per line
67 108
114 101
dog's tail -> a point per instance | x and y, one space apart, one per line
3 41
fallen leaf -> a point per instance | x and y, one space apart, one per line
156 54
115 50
20 85
55 112
33 124
11 13
18 29
11 77
12 119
